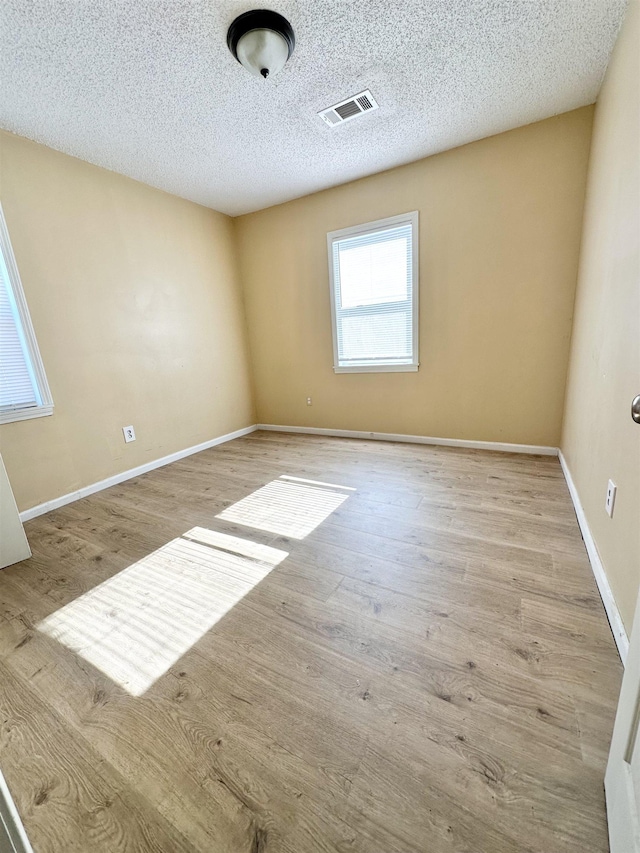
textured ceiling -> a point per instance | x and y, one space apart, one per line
148 88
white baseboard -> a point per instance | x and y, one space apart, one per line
85 491
40 509
539 450
610 606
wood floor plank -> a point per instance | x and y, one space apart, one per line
162 756
430 668
69 798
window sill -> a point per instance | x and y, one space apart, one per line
378 368
9 416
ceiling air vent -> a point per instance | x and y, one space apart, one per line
351 108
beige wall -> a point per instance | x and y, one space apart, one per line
137 309
500 224
600 441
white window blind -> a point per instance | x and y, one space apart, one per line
373 270
24 392
17 386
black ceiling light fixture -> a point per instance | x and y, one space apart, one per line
262 41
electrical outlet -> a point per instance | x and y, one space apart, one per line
308 401
611 497
129 434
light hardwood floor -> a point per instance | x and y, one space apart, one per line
429 670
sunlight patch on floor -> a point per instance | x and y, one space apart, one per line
288 506
137 624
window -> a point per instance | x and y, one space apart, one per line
373 270
24 392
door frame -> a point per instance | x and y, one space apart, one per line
13 838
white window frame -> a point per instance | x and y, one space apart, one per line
44 405
367 228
